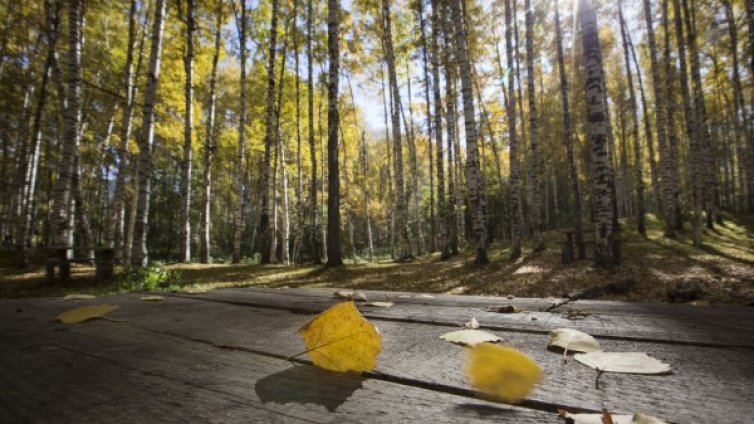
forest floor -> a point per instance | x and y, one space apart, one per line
722 271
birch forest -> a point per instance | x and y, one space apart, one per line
355 131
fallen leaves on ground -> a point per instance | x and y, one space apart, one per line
152 298
502 372
569 339
470 337
341 339
85 313
78 296
614 418
623 362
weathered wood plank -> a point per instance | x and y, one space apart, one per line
707 382
622 320
115 372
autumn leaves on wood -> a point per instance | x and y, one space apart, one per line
198 131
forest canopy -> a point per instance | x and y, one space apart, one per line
290 131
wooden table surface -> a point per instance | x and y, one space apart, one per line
222 356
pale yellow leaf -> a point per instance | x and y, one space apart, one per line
152 298
617 418
78 296
502 372
85 313
380 304
350 295
473 324
340 339
573 340
623 362
470 337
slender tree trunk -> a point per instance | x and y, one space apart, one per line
269 140
535 196
404 244
665 171
314 238
707 159
300 206
474 177
333 121
672 163
430 130
286 246
648 134
186 165
451 124
146 139
413 189
61 206
209 146
750 137
568 135
30 166
692 129
515 176
638 158
241 25
740 117
597 133
441 200
116 230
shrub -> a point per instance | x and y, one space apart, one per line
153 277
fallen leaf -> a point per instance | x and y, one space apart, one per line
504 309
504 373
472 324
380 304
152 298
340 339
646 419
470 337
77 296
574 314
616 418
350 295
85 313
573 340
623 362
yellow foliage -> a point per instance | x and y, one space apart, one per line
340 339
504 373
85 313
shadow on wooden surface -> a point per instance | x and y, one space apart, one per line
303 385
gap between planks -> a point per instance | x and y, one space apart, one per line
311 310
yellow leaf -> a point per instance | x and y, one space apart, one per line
340 339
85 313
502 372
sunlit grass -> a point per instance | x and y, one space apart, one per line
651 265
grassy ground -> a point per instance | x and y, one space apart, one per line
724 267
